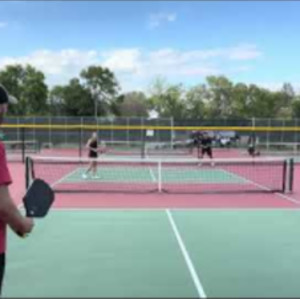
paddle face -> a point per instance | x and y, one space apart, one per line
38 199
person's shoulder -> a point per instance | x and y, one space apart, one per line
2 152
2 147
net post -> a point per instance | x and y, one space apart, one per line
291 175
284 176
159 177
28 172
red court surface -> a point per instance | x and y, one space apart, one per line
156 200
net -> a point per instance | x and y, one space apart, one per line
168 175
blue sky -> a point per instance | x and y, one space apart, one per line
253 42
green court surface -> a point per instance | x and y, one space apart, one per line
149 174
157 253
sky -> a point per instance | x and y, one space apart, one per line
182 41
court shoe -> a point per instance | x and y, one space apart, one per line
84 176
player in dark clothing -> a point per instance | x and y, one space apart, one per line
92 146
205 147
252 147
196 137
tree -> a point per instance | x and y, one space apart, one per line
35 92
11 77
296 107
134 104
115 106
28 86
77 99
169 102
288 93
103 87
262 102
240 101
157 89
56 100
196 98
221 89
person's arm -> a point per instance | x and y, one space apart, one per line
102 147
10 214
88 144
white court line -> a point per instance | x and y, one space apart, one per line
186 256
262 187
65 176
152 175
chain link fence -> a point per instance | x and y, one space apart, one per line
65 138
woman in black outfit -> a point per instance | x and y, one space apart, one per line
92 146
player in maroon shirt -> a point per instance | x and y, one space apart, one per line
9 213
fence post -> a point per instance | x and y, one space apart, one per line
23 143
127 130
80 139
18 128
172 132
296 136
268 135
49 132
66 133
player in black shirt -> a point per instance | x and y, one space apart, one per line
92 146
196 137
205 147
252 151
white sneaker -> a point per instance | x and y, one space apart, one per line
96 177
84 176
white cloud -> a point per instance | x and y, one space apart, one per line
241 69
244 52
135 67
58 66
3 24
127 60
155 20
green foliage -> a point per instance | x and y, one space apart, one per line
103 87
196 98
28 86
168 100
296 107
96 91
134 104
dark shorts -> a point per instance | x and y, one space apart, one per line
207 150
93 155
2 269
251 150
